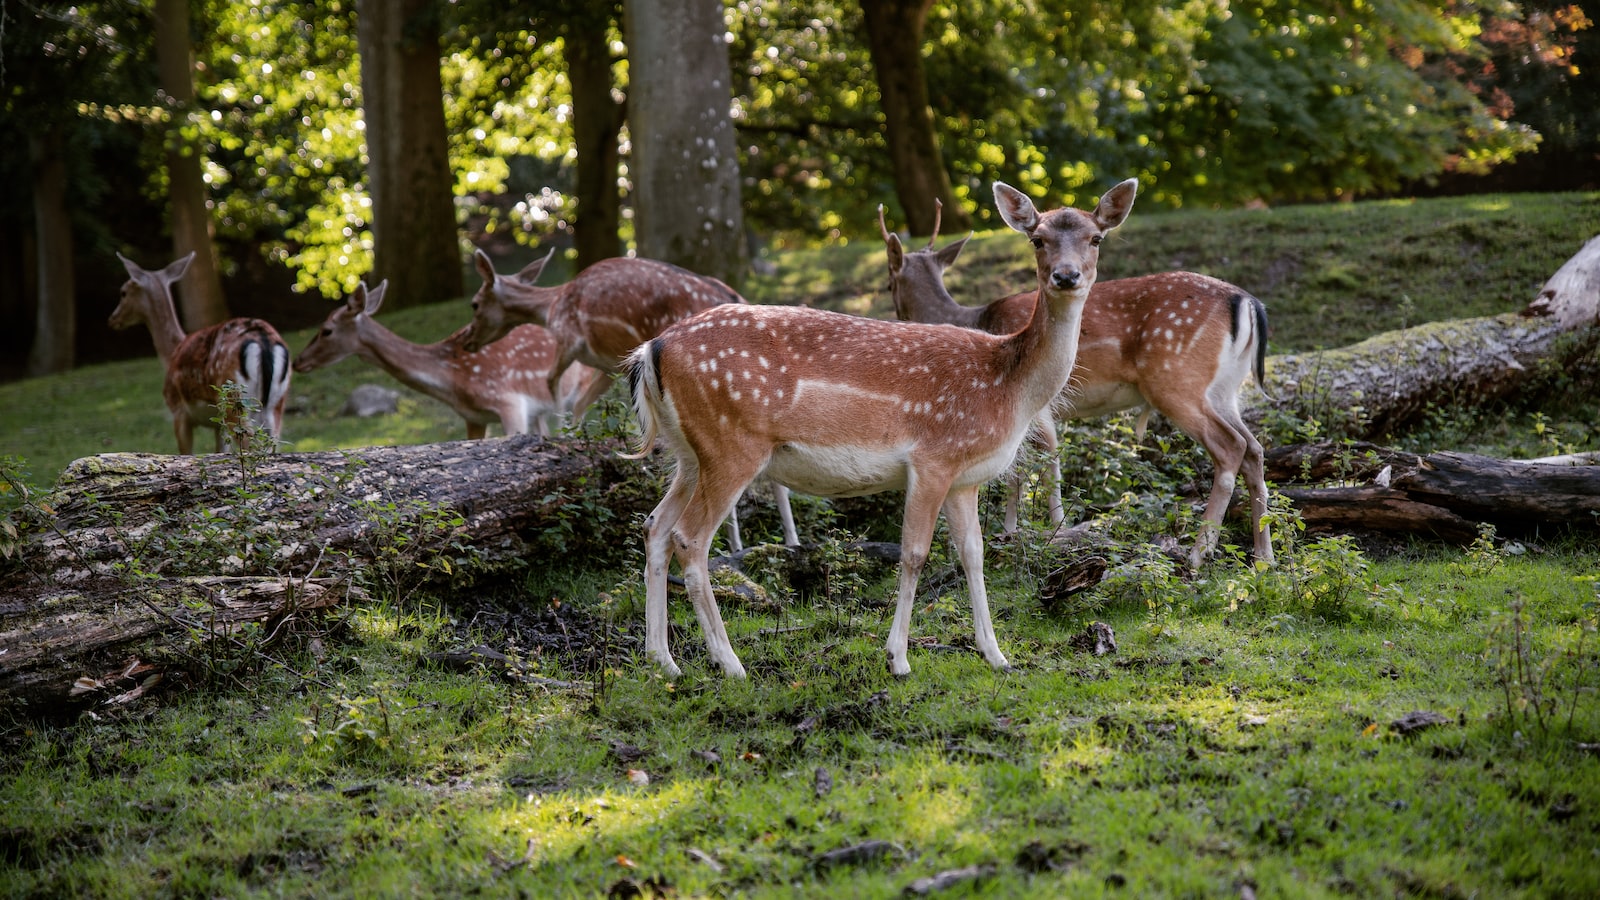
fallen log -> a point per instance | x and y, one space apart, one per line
1444 495
1376 388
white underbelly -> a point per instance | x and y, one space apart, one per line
1099 400
838 471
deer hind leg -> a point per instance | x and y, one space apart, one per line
1227 446
712 501
791 538
659 528
923 497
961 512
1254 471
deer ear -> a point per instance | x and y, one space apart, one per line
175 271
1114 207
1015 208
485 268
375 297
531 272
897 253
134 271
947 256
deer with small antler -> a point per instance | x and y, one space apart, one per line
1176 342
505 383
838 405
599 318
247 352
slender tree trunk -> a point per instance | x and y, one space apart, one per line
201 302
596 122
56 325
408 169
894 38
685 165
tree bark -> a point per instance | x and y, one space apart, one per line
412 187
894 40
55 327
686 199
596 123
201 302
1375 388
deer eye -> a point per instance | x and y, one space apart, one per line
1095 241
326 332
1038 243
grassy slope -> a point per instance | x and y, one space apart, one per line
1221 747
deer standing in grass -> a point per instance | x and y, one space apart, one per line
838 405
248 352
598 318
1176 342
506 382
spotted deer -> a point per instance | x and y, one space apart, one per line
247 352
598 318
837 405
505 383
1176 342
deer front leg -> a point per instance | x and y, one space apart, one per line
916 535
961 512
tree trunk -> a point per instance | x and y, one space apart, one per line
685 166
894 39
409 177
596 123
1379 386
56 324
201 302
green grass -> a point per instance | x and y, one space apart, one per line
1240 737
1218 748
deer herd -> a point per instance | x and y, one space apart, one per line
936 404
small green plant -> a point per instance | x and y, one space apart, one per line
1536 683
1483 555
355 726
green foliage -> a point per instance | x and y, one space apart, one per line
1536 683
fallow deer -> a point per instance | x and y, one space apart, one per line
505 383
1176 342
598 318
248 352
838 405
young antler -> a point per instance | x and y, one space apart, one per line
248 352
838 405
1179 343
506 382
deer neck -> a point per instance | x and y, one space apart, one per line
526 303
1046 349
421 367
162 319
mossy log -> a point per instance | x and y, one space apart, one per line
136 565
1377 387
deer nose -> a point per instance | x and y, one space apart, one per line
1066 278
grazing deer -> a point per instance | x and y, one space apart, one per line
598 318
1177 342
248 352
839 405
505 382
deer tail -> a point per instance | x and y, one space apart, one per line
644 384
